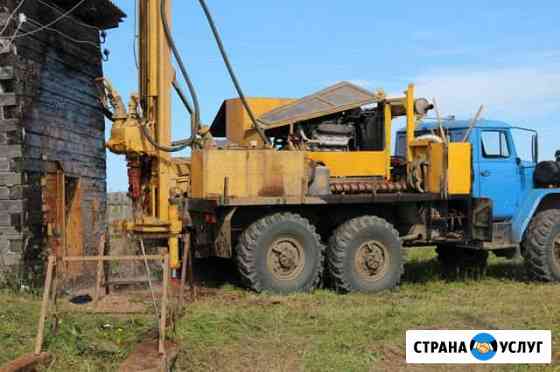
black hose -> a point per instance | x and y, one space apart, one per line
182 96
175 147
195 117
194 112
232 75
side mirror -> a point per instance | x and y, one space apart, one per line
535 148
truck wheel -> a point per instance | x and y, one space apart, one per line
457 263
541 246
280 253
364 255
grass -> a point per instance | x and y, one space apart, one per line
235 330
83 342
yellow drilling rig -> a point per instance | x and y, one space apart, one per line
288 175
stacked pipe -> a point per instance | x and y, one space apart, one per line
368 187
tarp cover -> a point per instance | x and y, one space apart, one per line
337 98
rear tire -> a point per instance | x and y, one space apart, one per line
541 246
280 253
365 255
461 263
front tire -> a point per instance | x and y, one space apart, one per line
280 253
365 255
541 246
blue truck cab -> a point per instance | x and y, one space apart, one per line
525 210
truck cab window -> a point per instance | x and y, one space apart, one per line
495 145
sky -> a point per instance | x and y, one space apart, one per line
503 54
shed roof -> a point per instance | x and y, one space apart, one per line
103 14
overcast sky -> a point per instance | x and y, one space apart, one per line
503 54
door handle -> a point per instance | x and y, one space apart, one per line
485 173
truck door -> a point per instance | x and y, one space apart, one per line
497 172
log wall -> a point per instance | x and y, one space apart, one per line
49 117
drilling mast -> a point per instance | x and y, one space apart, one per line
144 129
155 78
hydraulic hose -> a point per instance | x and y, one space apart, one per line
193 111
178 145
195 118
232 75
175 146
182 97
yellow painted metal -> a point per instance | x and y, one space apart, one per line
126 136
388 117
434 153
156 76
458 172
341 164
460 168
246 172
410 121
181 176
176 227
239 127
353 163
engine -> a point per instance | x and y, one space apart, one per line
330 136
355 130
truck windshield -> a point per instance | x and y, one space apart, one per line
455 135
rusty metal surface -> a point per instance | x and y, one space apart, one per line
372 261
223 242
378 197
285 259
337 98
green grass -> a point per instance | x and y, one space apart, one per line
83 342
235 330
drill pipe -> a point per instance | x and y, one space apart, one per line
362 187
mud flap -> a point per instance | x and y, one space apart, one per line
481 220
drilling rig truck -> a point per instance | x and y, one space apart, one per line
302 189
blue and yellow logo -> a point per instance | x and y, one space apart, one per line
483 346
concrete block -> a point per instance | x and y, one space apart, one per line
10 179
12 206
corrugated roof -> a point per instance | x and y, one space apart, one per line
337 98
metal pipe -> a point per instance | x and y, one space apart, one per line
410 121
232 75
473 123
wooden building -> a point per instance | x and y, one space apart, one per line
52 152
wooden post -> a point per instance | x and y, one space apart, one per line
100 253
163 312
190 273
44 305
54 295
186 254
